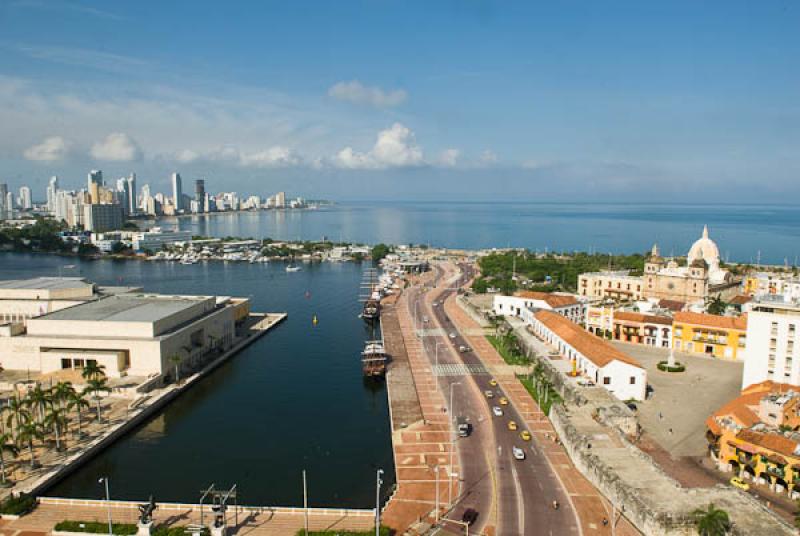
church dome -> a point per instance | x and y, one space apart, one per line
704 249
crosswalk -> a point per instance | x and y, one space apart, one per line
458 370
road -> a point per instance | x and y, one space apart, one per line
525 489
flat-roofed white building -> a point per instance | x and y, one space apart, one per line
525 302
771 351
594 358
21 299
133 334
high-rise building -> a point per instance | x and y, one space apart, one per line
146 196
25 201
3 196
10 204
772 350
199 190
102 218
177 192
132 189
52 189
124 194
280 199
95 181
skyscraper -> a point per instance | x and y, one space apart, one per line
124 194
177 192
199 190
52 189
25 201
132 189
3 198
95 181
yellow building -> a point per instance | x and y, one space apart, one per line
743 436
723 337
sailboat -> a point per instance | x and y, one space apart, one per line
372 299
292 267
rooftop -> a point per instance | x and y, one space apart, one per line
593 348
148 308
715 321
553 300
631 316
45 283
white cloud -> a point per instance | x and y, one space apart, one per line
357 93
449 157
116 147
186 155
395 147
51 149
488 157
277 156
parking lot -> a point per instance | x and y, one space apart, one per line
675 414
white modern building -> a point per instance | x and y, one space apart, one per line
594 358
771 352
155 239
524 303
177 192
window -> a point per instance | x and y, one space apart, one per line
633 380
606 381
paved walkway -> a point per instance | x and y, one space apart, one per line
421 446
261 522
589 504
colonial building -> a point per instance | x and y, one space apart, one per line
594 358
652 330
617 285
564 304
755 436
723 337
701 278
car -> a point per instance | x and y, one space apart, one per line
435 304
631 406
464 349
489 394
525 435
586 383
739 483
452 335
519 454
470 516
503 401
512 425
493 382
425 319
498 411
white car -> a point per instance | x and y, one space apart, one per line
425 319
452 335
498 411
518 453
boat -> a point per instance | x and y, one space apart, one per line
292 268
374 359
371 310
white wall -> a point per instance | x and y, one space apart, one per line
758 350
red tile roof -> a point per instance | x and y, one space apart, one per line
739 410
770 441
672 305
642 318
714 321
593 348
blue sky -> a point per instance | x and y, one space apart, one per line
471 100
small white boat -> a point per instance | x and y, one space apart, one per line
293 268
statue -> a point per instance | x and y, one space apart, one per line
146 511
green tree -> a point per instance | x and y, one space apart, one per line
28 433
379 251
56 421
716 306
7 446
93 370
711 521
18 414
61 393
87 250
38 399
78 402
97 386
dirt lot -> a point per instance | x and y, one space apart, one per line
681 402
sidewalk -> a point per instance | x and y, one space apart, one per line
590 505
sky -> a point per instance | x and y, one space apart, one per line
678 101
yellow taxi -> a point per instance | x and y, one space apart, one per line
512 425
525 435
493 383
503 401
739 483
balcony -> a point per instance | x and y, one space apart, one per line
776 471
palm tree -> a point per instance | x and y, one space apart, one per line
18 414
78 401
93 371
62 391
38 399
96 386
55 419
30 431
712 521
6 445
176 360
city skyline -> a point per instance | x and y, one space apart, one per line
629 102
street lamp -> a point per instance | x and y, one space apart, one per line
378 482
452 448
104 480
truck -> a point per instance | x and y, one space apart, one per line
464 428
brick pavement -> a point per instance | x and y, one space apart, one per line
590 505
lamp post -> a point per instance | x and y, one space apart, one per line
104 480
378 482
452 448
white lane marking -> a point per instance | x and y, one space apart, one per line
520 503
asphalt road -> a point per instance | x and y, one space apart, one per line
526 488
